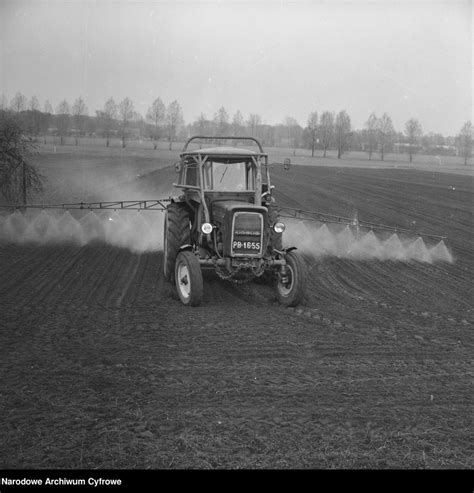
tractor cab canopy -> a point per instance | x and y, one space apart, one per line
223 172
224 169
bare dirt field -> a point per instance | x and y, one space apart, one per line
102 367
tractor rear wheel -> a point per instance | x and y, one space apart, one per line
291 289
177 233
188 278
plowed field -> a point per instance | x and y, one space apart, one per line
102 367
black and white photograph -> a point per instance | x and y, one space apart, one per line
234 235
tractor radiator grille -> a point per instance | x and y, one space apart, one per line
247 234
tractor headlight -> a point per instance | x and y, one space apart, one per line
279 227
206 228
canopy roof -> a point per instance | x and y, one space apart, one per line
223 151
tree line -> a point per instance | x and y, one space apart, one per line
113 120
323 131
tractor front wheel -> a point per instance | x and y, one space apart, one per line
188 278
291 286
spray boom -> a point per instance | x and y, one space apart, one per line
141 205
353 222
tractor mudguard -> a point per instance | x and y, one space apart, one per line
185 247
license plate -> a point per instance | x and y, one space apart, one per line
246 246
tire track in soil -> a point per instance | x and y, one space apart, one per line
125 279
128 267
37 266
396 282
15 260
418 283
85 274
69 275
76 284
342 292
147 286
227 383
96 281
99 281
266 388
25 309
51 299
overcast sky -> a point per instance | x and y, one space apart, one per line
276 59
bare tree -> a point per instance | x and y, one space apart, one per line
313 130
63 113
107 118
413 131
342 130
47 107
126 111
79 113
18 103
237 124
18 176
46 117
385 133
90 125
253 123
156 117
34 104
202 126
139 122
267 135
34 121
464 140
32 118
371 133
174 119
292 127
221 122
326 130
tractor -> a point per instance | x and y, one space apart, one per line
226 219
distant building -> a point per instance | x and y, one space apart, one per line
401 147
441 150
